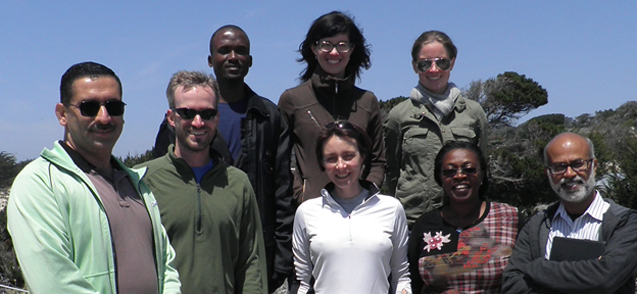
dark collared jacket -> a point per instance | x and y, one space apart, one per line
265 158
309 107
613 272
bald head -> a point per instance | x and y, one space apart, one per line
566 142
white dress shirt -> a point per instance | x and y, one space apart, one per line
586 227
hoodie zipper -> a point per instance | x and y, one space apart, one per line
198 220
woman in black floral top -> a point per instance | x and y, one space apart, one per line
464 246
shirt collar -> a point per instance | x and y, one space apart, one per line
77 158
596 210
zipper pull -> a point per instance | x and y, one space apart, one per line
309 113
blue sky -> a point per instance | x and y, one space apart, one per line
584 53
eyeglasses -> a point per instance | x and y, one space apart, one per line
205 114
578 165
447 173
327 46
424 65
91 108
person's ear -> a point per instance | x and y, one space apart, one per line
170 117
315 51
482 176
60 113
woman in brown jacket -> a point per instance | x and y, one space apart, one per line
334 50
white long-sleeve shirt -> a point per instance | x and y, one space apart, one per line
351 253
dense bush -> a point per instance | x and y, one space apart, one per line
8 168
131 161
9 269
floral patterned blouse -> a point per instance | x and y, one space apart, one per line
447 259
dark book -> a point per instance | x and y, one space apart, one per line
567 249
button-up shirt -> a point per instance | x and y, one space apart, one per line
585 227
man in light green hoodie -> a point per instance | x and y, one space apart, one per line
81 222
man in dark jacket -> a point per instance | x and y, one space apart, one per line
581 244
253 137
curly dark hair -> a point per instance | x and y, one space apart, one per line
332 24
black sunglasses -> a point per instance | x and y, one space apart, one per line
91 108
453 171
424 65
205 114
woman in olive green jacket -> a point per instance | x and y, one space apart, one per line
417 128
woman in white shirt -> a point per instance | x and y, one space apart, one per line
352 239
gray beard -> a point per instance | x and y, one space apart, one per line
580 194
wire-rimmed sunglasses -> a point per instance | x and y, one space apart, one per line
424 65
90 108
205 114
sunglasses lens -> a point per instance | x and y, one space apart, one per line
424 65
443 63
114 107
208 114
469 171
186 113
449 172
89 108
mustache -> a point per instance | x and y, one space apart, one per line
102 127
575 180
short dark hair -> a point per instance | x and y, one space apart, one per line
454 145
433 36
345 129
223 28
80 70
332 24
190 79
